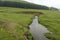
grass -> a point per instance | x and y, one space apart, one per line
13 0
13 26
14 23
51 19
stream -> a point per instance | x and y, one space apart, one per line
37 30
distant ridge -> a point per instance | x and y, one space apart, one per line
22 4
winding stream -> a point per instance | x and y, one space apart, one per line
38 30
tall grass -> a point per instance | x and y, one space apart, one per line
51 19
13 26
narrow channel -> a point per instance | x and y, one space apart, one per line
38 30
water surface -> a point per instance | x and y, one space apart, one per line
38 30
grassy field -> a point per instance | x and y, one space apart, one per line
51 19
14 26
14 23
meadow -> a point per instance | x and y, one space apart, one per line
51 20
14 26
14 23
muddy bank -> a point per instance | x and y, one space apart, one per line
30 12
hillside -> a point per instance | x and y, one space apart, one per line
22 4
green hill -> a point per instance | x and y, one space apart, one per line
22 4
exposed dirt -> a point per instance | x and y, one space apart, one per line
27 35
10 27
30 12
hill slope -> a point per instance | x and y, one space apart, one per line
22 4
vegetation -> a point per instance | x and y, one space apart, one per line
51 19
14 26
14 23
52 8
22 4
12 0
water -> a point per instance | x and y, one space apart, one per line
38 30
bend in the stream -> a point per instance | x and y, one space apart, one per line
37 30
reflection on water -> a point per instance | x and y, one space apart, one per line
37 30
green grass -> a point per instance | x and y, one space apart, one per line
14 23
13 0
51 19
13 26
